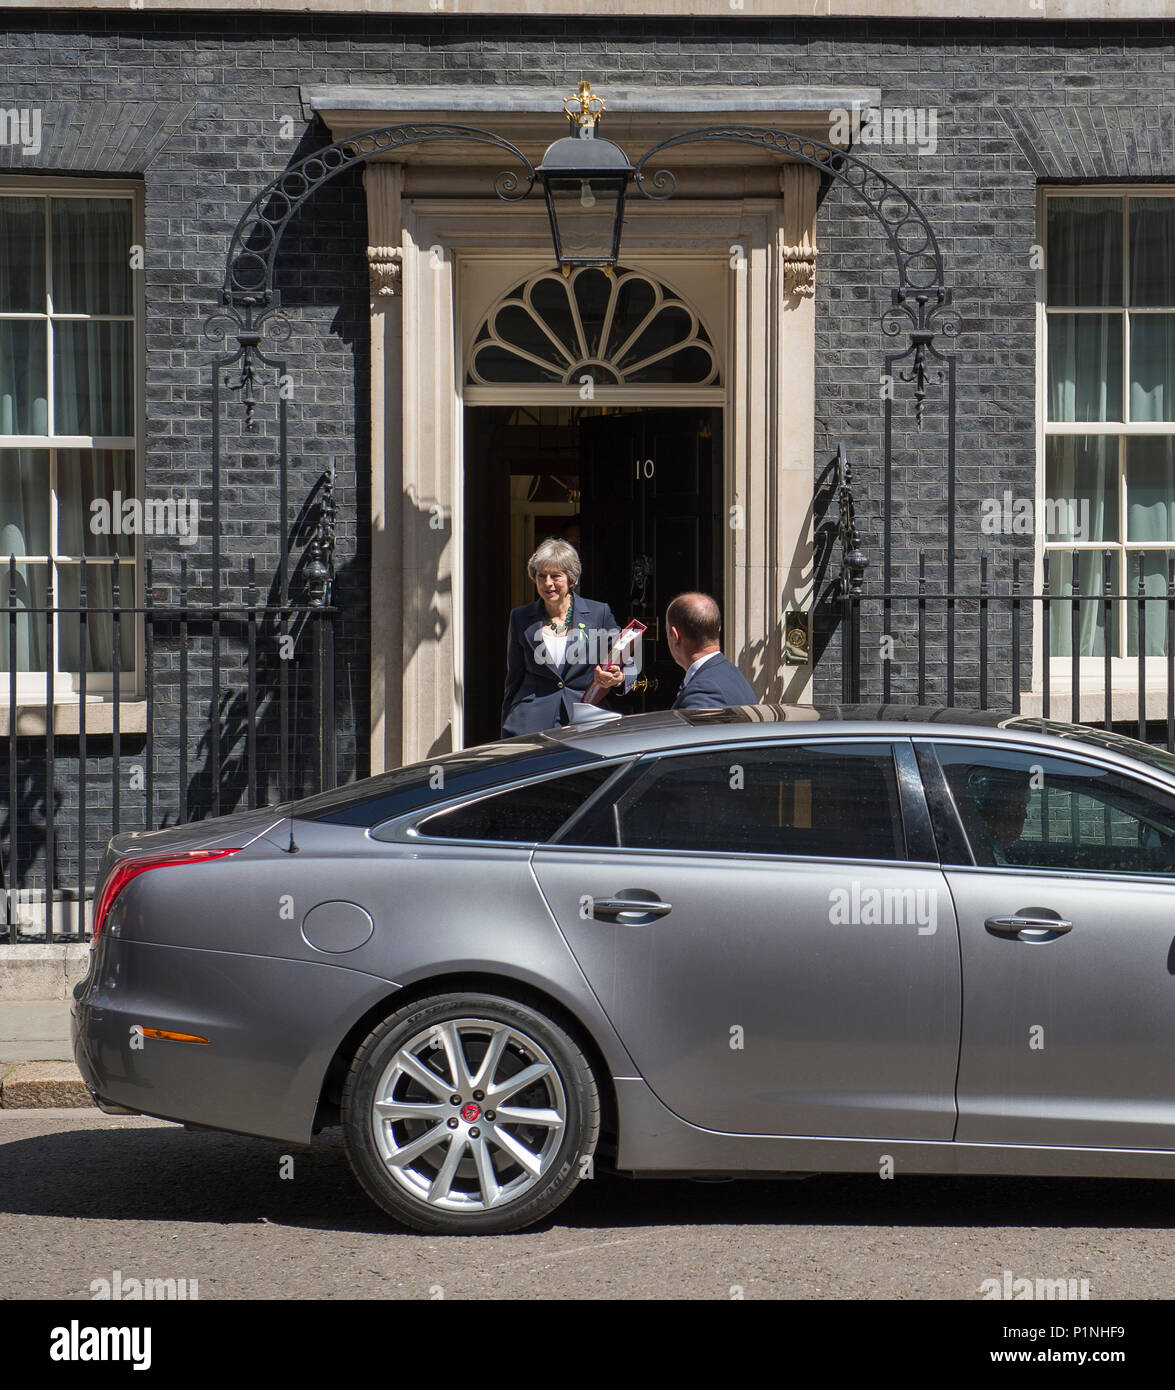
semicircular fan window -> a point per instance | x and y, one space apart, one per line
614 330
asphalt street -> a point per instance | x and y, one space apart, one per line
83 1195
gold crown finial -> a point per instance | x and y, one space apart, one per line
585 108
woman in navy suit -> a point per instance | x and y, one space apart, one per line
555 645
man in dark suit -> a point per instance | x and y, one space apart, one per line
692 626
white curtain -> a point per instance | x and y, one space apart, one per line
84 475
1081 481
1152 366
1152 252
1084 270
93 362
1150 516
24 530
23 387
93 382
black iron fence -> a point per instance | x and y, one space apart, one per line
1080 649
219 707
191 709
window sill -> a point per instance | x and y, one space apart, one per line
1092 702
31 722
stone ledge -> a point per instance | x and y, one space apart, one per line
31 722
42 972
43 1086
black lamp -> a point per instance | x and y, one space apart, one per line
584 181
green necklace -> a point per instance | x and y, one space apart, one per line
553 623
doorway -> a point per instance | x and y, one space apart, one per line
638 492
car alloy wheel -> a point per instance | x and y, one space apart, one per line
469 1114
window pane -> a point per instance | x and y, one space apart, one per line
1150 489
548 298
24 503
29 591
1154 578
22 255
1091 615
92 378
830 802
690 365
1152 366
634 299
1081 486
1085 366
586 219
91 256
525 815
1152 251
86 477
1073 817
100 626
498 364
593 292
671 327
518 327
1084 251
23 380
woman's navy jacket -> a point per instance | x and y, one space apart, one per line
538 695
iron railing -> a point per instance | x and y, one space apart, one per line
1020 649
228 698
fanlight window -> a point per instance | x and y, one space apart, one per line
612 329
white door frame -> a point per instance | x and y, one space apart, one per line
728 257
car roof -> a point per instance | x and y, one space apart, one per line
572 748
673 728
680 728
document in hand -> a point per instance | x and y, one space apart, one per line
623 650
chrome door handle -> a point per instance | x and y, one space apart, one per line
634 906
1033 923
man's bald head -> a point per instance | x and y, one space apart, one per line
698 622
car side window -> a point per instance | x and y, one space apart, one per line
1023 810
521 815
834 800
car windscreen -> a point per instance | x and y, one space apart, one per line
419 785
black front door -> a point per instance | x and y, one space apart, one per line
651 484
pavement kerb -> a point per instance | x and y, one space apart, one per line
43 1086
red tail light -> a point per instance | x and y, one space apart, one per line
123 872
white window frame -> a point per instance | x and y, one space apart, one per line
32 686
1123 668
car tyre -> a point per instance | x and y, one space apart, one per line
470 1114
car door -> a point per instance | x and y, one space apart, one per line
777 953
1067 924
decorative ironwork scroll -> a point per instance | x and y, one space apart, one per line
921 301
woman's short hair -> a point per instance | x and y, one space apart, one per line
556 554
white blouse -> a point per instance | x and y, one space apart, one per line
556 646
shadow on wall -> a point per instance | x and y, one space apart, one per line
274 657
773 682
428 603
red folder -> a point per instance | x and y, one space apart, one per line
626 639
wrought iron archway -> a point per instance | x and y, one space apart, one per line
920 305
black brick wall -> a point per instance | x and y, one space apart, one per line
193 105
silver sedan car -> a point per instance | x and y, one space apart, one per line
767 940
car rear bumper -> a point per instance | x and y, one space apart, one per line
271 1026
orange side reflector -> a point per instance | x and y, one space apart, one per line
165 1036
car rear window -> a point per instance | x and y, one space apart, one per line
419 785
529 814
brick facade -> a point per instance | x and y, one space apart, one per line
194 105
